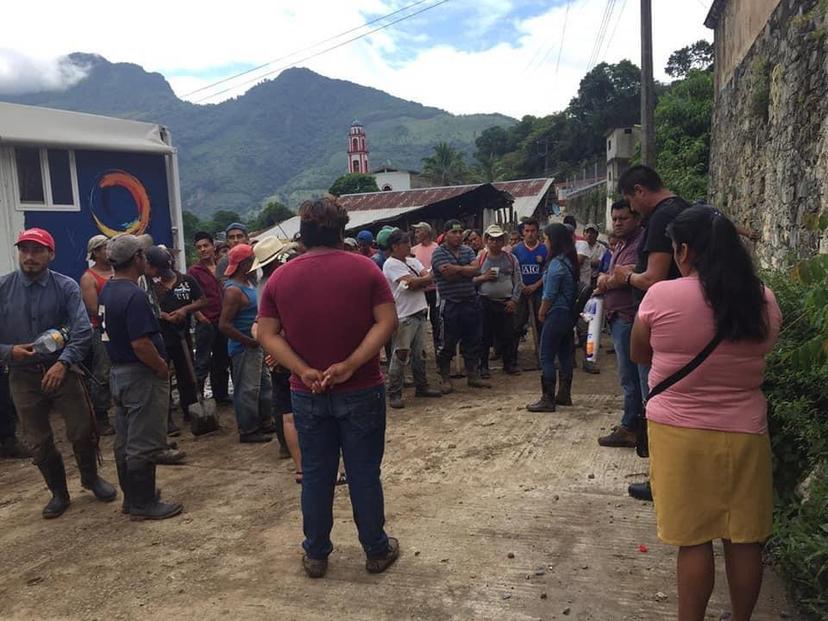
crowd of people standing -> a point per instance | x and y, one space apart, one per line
299 328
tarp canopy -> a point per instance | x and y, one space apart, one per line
31 125
358 220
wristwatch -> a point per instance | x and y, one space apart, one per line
627 279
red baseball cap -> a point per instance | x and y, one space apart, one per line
39 236
236 255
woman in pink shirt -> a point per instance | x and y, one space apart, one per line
710 459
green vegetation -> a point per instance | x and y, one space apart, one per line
609 96
445 166
559 144
698 56
798 421
354 183
682 119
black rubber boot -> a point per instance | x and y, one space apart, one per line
173 430
446 387
88 467
564 396
547 400
105 428
641 491
144 503
55 475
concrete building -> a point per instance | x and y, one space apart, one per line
769 141
621 145
390 179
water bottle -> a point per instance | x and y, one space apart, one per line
51 341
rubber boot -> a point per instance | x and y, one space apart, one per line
427 392
143 500
105 428
124 483
564 396
88 467
446 387
395 400
473 378
172 429
55 475
547 400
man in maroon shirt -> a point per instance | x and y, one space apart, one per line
619 307
325 316
210 343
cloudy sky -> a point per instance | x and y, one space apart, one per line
511 56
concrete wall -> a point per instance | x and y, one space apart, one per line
740 23
397 180
769 151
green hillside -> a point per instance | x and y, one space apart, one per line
285 137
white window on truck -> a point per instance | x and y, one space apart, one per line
45 179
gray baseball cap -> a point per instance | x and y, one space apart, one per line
121 249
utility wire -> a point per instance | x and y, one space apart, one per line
563 38
304 49
602 33
324 51
615 29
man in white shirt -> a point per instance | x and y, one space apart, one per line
590 252
408 279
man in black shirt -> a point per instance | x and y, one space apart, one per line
643 189
139 379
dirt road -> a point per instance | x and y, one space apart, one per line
501 514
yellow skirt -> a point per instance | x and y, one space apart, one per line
710 485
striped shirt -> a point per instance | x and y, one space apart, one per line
457 289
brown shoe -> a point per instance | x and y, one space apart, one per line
314 567
380 564
619 437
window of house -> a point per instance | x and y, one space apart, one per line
356 166
356 144
386 188
46 179
609 145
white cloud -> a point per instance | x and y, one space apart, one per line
181 38
20 73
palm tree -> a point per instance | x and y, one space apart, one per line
489 169
445 166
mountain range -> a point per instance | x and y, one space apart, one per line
284 138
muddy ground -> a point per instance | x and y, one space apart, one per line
501 514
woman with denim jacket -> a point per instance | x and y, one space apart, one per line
555 313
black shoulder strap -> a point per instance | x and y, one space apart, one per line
686 369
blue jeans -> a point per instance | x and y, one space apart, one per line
644 377
353 422
252 390
627 373
556 342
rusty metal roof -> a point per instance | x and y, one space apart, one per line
523 188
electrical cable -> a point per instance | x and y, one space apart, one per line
602 33
563 38
304 49
324 51
615 29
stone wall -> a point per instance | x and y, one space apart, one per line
769 156
739 22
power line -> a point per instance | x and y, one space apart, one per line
563 37
321 52
615 28
602 33
304 49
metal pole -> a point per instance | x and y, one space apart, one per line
647 87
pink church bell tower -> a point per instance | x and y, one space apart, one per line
357 149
